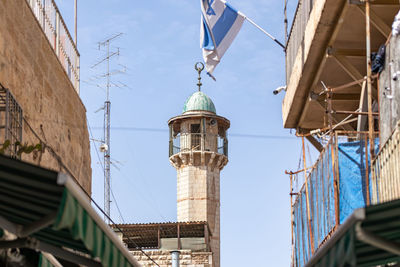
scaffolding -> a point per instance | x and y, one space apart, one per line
351 171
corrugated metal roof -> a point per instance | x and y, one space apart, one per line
147 235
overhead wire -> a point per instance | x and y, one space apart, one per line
59 160
139 129
148 196
112 193
102 167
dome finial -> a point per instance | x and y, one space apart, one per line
199 67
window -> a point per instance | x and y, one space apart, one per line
195 136
10 122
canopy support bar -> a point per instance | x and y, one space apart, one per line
38 225
66 255
53 250
7 225
376 241
358 215
24 231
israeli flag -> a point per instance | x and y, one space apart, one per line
220 23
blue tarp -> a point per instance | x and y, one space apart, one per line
352 177
352 195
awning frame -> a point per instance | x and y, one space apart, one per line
35 244
363 235
25 240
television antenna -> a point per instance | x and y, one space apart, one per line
105 147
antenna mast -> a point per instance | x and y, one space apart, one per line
107 113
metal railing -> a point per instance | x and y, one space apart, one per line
185 142
386 184
297 32
56 31
10 122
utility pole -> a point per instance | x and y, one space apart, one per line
106 146
76 22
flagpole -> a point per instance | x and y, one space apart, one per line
265 32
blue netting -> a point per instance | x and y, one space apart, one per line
352 195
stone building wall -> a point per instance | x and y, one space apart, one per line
198 199
389 90
198 180
53 110
163 258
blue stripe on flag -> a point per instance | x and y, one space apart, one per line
231 7
207 39
224 24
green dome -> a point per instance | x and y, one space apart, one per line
199 102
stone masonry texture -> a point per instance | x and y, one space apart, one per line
389 91
30 69
198 185
163 258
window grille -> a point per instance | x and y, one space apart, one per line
10 122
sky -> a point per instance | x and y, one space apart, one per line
159 47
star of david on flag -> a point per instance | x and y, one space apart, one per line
220 24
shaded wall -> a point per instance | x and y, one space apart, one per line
53 111
389 90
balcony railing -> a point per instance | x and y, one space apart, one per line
53 25
337 184
297 32
386 185
186 142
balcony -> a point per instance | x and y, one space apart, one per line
337 184
190 142
56 31
386 183
327 43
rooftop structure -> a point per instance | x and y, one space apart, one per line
342 96
327 43
166 236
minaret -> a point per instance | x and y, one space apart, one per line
198 149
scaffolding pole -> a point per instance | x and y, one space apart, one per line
369 86
307 198
291 215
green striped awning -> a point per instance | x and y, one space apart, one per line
49 212
369 237
47 260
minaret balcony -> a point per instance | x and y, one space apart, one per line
198 149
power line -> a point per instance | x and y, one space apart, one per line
98 157
160 130
98 207
116 204
59 160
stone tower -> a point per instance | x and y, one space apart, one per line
198 149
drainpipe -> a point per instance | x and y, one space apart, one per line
175 258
